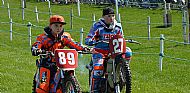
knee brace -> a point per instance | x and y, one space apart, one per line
98 68
97 72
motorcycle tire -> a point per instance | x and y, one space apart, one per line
34 86
89 77
70 84
126 80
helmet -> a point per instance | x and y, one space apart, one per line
67 34
57 19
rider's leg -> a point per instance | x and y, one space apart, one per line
55 78
97 72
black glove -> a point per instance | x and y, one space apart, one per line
86 49
35 51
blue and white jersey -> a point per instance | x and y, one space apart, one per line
100 31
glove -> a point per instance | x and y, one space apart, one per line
91 43
62 37
86 49
36 51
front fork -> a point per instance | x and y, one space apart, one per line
65 72
62 73
116 86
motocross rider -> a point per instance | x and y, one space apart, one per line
102 30
53 38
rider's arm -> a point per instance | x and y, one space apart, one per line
92 36
36 47
120 30
71 44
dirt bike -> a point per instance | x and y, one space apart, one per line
66 60
117 72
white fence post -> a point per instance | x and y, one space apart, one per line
66 2
81 37
165 13
3 3
71 15
22 9
95 2
9 12
29 33
36 11
161 51
119 18
184 25
93 19
78 4
49 6
165 7
148 25
11 29
117 13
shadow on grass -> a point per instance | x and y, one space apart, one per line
162 26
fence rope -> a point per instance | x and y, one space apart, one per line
182 59
4 31
145 53
82 18
91 20
20 33
176 41
4 22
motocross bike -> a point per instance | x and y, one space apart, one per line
66 60
117 72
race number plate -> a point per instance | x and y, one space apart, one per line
117 45
66 58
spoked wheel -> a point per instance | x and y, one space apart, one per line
71 85
123 76
118 86
34 87
125 80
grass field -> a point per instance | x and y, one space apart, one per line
17 65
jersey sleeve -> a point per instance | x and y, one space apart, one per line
39 42
37 45
92 36
71 44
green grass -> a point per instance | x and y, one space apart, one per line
17 65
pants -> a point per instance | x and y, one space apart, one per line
54 82
97 71
54 73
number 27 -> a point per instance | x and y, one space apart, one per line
116 45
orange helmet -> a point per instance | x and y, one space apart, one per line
67 34
57 19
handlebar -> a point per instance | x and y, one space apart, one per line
84 52
129 40
132 41
100 41
47 53
52 54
